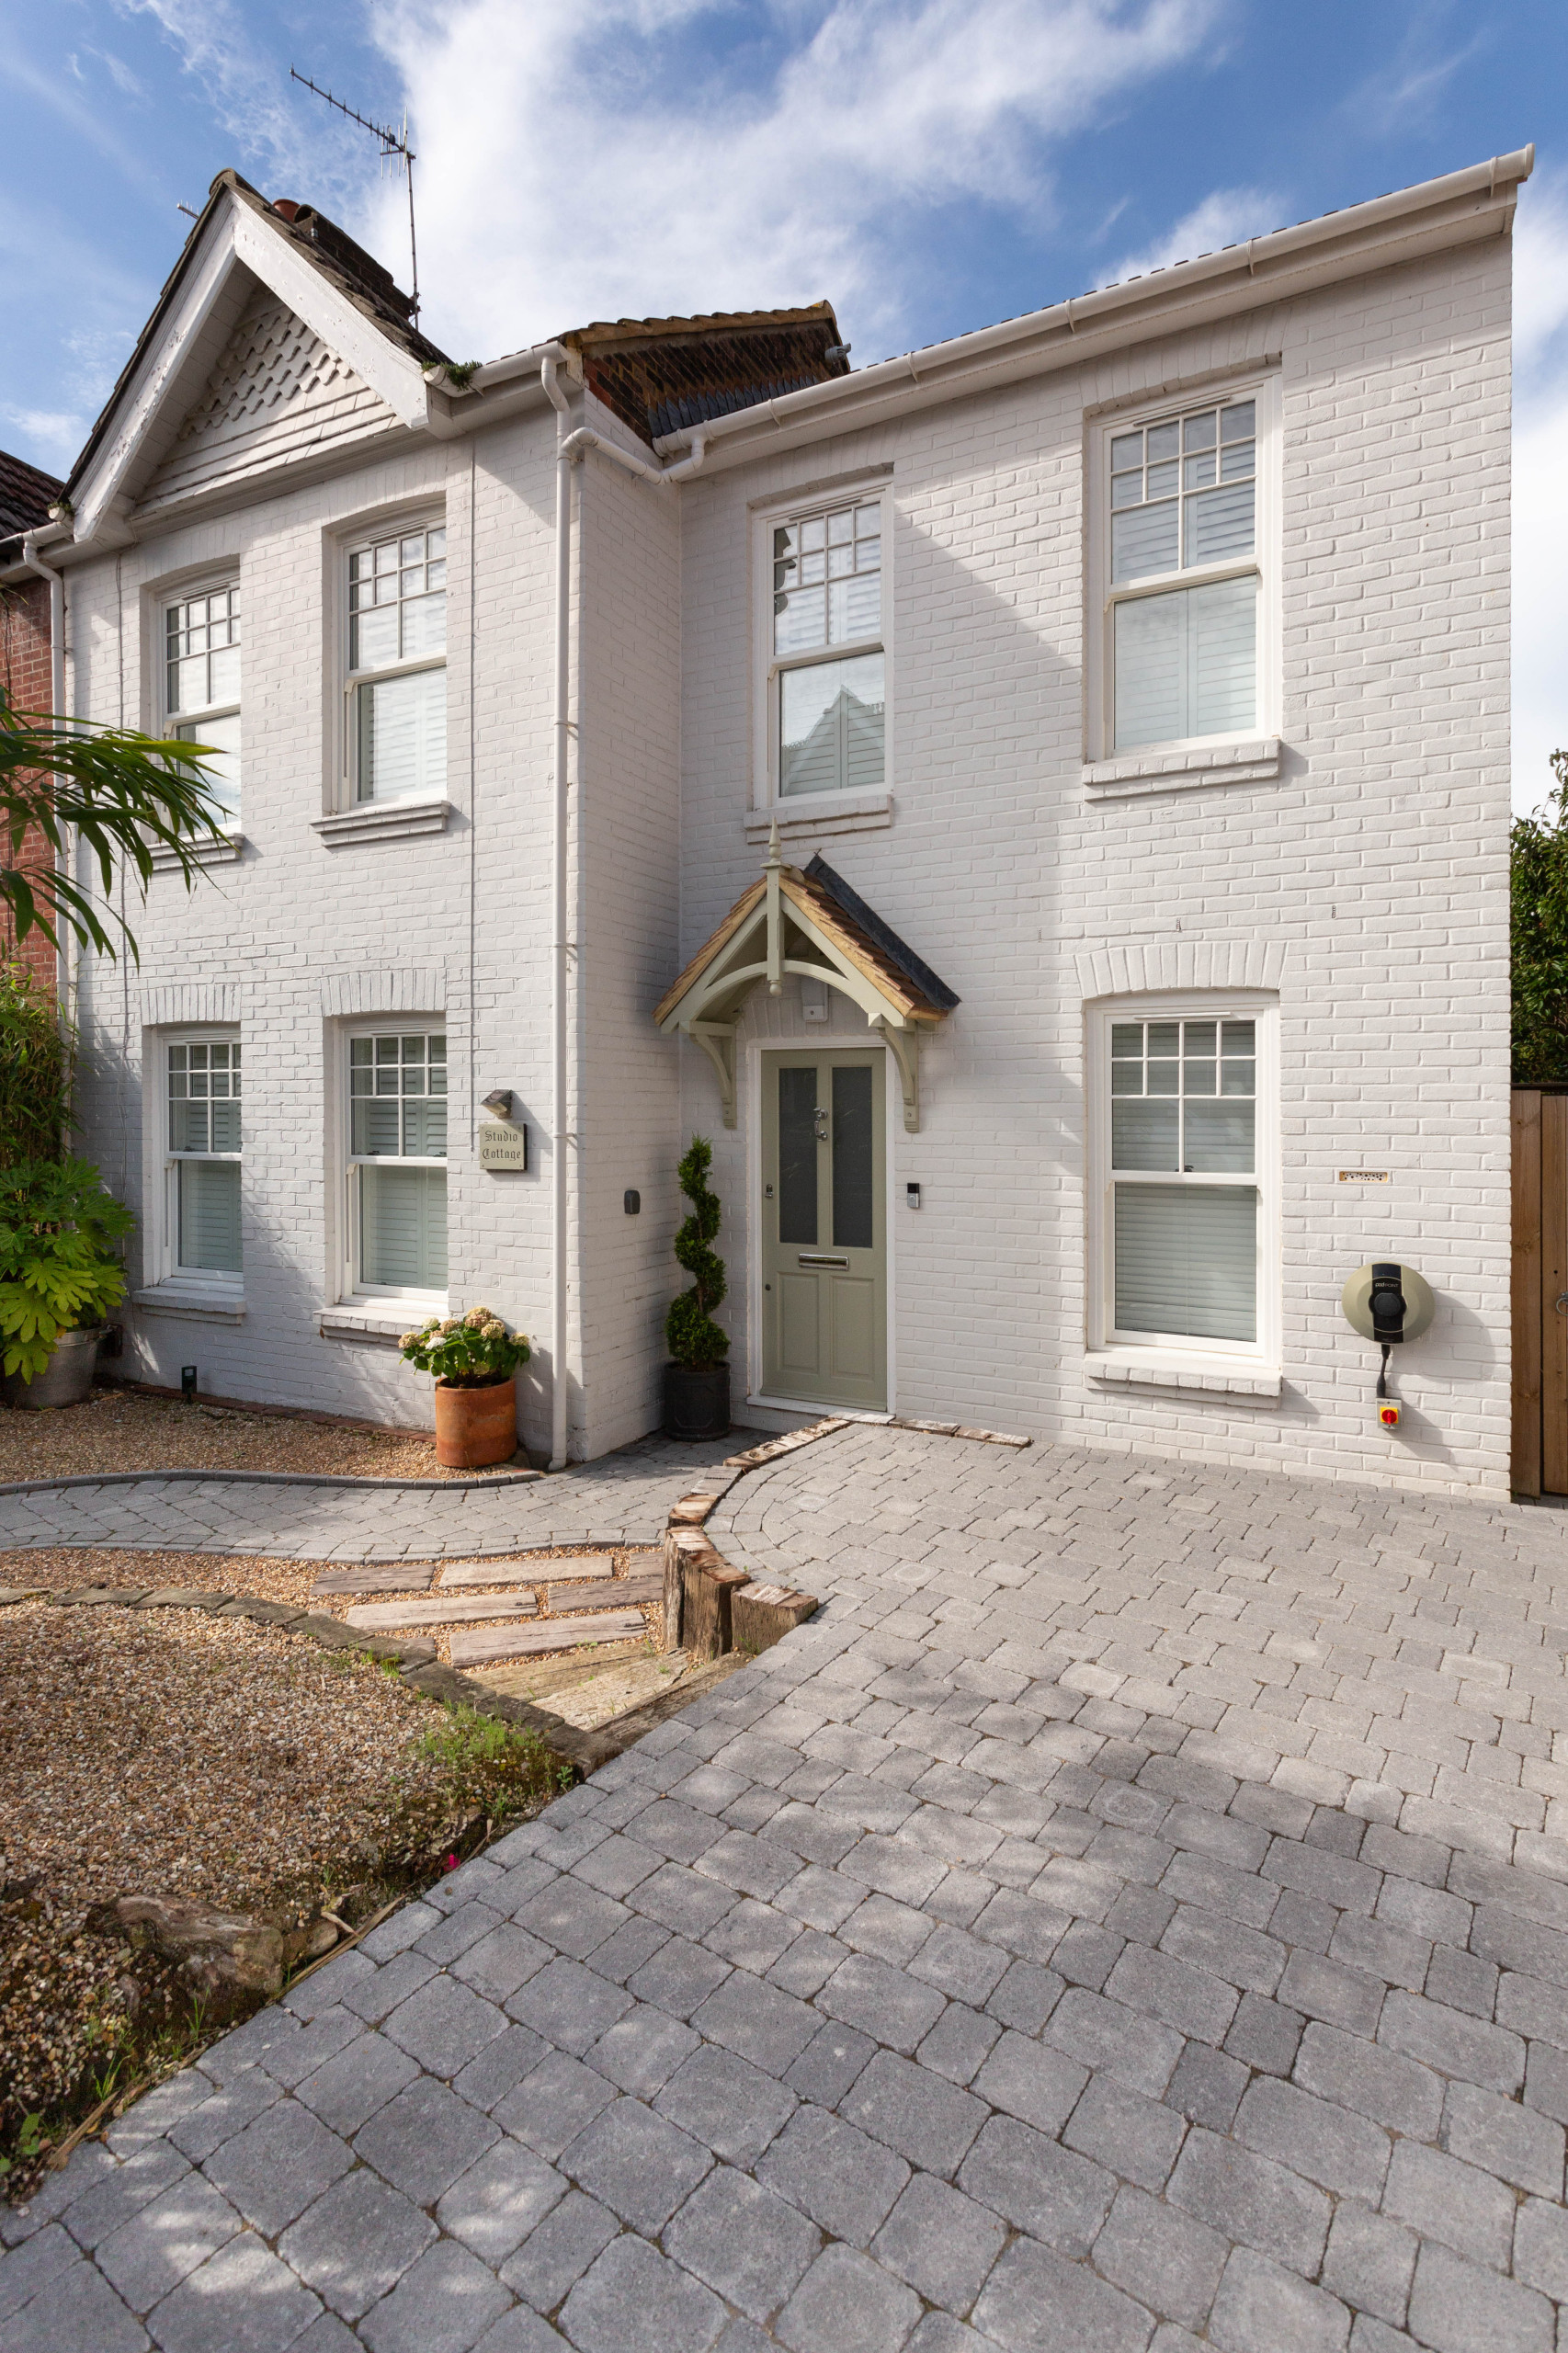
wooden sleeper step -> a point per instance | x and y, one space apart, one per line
475 1646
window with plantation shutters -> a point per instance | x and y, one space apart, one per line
202 1161
397 666
201 687
1184 542
827 668
1186 1184
397 1161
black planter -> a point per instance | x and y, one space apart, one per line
697 1404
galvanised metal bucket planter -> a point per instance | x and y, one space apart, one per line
66 1378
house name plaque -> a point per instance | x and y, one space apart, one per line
1364 1175
501 1145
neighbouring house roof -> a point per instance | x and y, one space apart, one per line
661 375
898 975
27 493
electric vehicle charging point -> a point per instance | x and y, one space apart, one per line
1387 1304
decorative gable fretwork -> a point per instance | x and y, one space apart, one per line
277 393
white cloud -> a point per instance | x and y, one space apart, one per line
1541 484
590 158
53 436
1224 218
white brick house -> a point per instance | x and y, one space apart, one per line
1139 671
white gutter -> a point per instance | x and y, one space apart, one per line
1436 215
64 977
570 448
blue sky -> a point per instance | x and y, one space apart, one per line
927 165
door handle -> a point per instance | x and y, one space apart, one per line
820 1115
805 1261
1563 1302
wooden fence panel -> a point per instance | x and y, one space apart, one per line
1527 1292
1553 1263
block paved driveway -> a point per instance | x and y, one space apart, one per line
620 1499
1131 1914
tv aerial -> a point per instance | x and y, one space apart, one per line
395 150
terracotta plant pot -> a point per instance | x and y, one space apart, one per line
474 1426
696 1402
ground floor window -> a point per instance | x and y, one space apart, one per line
397 1161
1184 1177
202 1158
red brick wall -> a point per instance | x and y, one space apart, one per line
25 667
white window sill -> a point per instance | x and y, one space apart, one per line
1177 768
221 852
806 815
383 821
371 1322
1167 1369
198 1302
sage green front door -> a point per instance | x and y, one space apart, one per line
825 1229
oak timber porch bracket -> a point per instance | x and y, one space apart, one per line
810 924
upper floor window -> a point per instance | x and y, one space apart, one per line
1185 590
202 1159
397 665
201 685
826 681
397 1161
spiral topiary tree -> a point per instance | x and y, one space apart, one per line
694 1340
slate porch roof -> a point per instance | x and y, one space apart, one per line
27 493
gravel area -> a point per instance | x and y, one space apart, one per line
173 1751
118 1429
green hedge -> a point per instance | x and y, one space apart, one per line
35 1070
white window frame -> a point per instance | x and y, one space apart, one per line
348 544
350 1288
1265 564
767 668
1176 1351
226 1283
171 721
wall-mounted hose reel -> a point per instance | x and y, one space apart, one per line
1388 1303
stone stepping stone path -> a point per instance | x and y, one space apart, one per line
381 1616
475 1646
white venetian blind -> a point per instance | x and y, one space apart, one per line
397 594
1182 497
210 1215
403 1227
828 592
1184 1109
1187 1260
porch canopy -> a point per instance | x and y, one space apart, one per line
812 925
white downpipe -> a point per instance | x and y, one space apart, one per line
570 448
64 982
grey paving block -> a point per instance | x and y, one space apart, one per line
1460 2045
277 2166
444 2304
884 2003
1458 2307
556 2254
1251 2198
355 2243
1504 2138
73 2309
744 2241
493 2208
554 2103
114 2198
769 2028
444 2025
243 2299
1369 2262
928 2120
1262 2309
1098 2032
1135 2137
632 2300
1166 2259
639 2165
1048 2191
722 2101
1331 2145
357 2081
1036 2299
25 2271
1442 2198
1183 1997
500 2068
678 1976
940 2241
422 2140
847 2301
374 1998
571 1918
1381 2083
846 2182
569 2005
1031 2080
959 2043
169 2237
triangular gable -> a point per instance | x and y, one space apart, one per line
241 247
277 393
792 923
